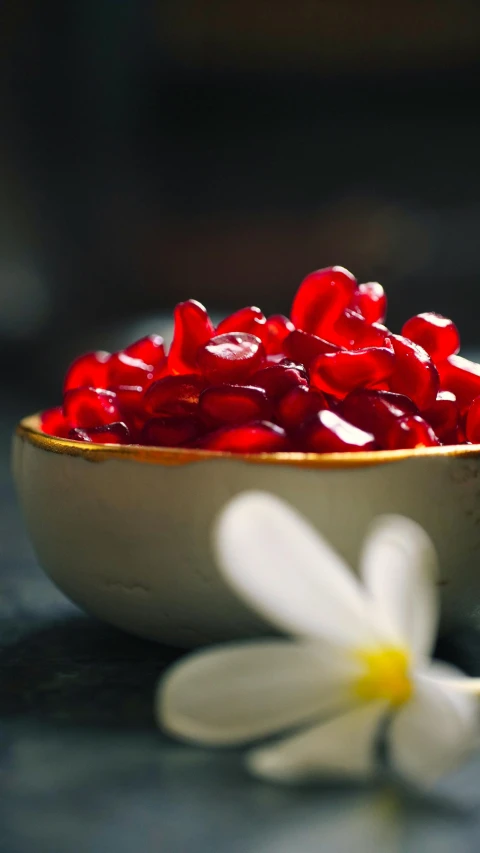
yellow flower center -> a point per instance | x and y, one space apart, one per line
386 675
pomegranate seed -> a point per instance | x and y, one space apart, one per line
321 298
415 374
409 432
277 379
192 329
90 407
472 422
231 358
174 395
436 334
172 431
375 411
327 432
250 320
149 349
303 347
129 398
89 370
253 437
53 422
278 327
115 433
125 370
234 404
298 405
352 331
341 372
461 377
444 417
370 301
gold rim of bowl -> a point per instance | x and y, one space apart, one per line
29 430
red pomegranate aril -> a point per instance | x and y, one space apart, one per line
354 332
174 395
172 431
321 298
253 437
461 377
277 379
342 372
327 432
415 374
444 417
129 398
375 411
250 320
231 358
303 348
192 329
370 301
437 335
53 422
472 422
125 370
409 432
149 349
89 370
115 433
298 405
90 407
233 404
278 327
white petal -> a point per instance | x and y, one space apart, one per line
239 693
399 568
443 672
436 729
285 570
342 747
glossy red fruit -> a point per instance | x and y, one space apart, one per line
116 433
370 301
415 374
461 377
231 358
354 332
409 432
90 407
250 320
278 327
89 370
125 370
192 329
327 432
298 405
375 411
303 348
234 404
277 379
472 422
254 437
342 372
444 417
149 349
129 399
172 431
53 422
437 335
321 298
174 395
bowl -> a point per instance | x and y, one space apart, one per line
124 531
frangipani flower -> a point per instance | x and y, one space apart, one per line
359 657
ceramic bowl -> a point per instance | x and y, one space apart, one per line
125 531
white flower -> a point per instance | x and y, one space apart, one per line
360 654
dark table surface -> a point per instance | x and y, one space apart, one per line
84 770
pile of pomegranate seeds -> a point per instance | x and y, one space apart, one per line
331 378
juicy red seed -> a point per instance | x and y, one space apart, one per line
53 422
437 335
278 327
254 437
149 349
370 301
375 411
277 379
192 329
415 374
174 395
341 372
250 320
90 407
303 347
298 405
170 431
461 377
231 358
115 433
88 370
472 422
444 417
410 432
354 332
125 370
321 298
327 432
234 404
129 398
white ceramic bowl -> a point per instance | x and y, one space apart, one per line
125 531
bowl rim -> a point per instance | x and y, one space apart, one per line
28 429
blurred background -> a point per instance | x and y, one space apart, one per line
156 151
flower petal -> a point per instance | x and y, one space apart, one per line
344 746
239 693
285 570
431 734
399 568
